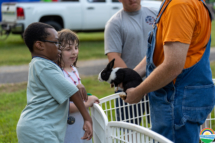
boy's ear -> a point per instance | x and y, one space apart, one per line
39 45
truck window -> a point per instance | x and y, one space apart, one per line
93 1
115 1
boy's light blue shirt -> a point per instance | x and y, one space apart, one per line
45 116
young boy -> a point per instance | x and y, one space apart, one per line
45 116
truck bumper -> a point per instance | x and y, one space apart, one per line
15 28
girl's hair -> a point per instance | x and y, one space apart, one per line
64 37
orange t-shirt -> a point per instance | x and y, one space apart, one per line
185 21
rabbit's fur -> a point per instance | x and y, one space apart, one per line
128 77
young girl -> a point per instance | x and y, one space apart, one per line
67 61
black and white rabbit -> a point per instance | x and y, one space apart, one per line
128 77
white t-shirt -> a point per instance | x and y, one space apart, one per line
75 132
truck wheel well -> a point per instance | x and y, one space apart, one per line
55 18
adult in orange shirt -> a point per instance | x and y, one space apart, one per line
178 71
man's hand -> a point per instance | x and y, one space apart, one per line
83 92
133 96
88 130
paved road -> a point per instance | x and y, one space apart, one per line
16 74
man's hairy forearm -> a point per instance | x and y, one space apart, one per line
175 57
141 68
160 77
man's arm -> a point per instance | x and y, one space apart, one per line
77 100
118 60
141 67
113 41
174 59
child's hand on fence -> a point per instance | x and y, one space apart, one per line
88 128
92 99
83 92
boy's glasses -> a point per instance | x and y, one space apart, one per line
58 44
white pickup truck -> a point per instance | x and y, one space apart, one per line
77 15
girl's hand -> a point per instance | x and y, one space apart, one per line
83 92
88 128
92 99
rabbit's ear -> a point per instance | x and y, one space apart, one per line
110 64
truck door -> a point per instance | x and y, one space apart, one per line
96 14
115 6
72 12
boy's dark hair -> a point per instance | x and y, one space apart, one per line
35 32
64 37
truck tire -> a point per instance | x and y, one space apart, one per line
56 25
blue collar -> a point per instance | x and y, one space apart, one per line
46 59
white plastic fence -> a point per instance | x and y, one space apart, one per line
100 122
109 103
107 112
122 132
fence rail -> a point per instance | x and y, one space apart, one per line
123 132
119 131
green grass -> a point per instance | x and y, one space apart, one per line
13 101
13 50
11 106
93 86
213 34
